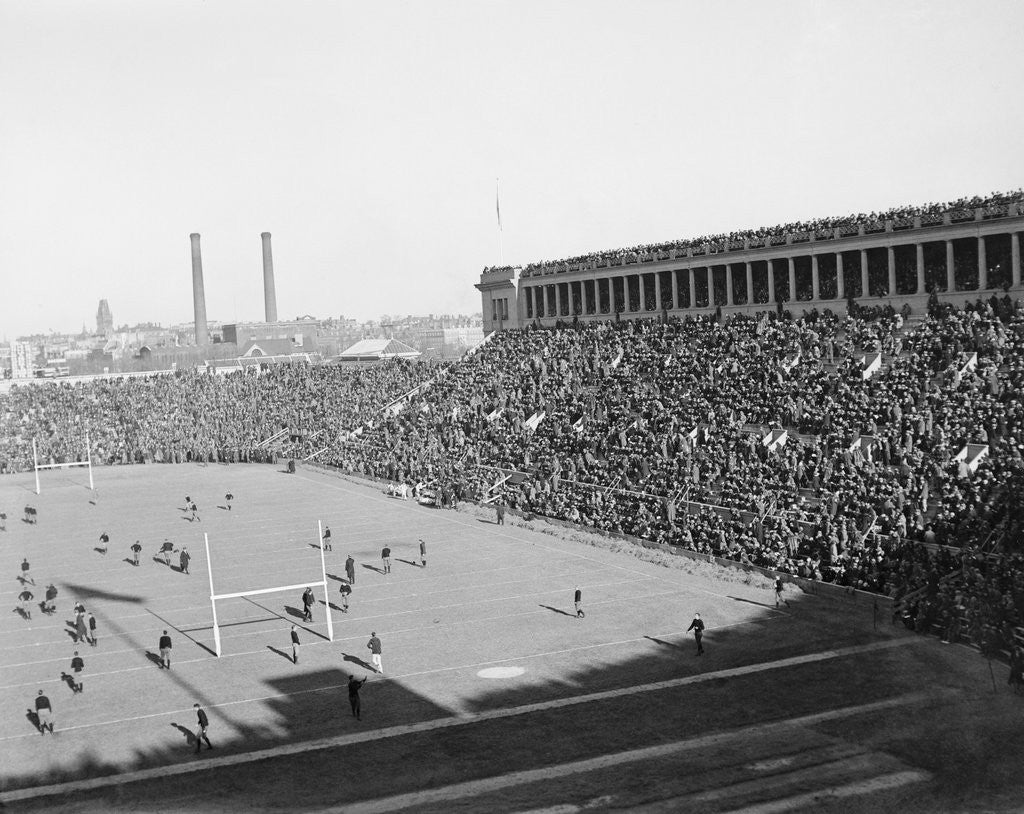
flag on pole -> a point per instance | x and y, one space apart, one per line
497 203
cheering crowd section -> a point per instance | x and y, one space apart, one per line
190 416
822 228
620 400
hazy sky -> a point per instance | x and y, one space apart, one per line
367 138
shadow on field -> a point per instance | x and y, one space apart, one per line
663 642
190 738
557 610
751 602
298 704
356 660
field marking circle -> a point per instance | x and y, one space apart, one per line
501 672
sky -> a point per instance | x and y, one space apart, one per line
369 138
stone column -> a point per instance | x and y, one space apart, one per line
792 279
711 290
1015 257
771 282
864 288
950 266
840 278
675 289
558 300
729 298
750 283
891 252
982 265
815 283
920 268
641 292
657 291
693 288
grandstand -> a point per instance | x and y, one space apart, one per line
958 250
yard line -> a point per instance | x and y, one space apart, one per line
361 637
204 608
458 721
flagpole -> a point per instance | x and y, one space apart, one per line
497 207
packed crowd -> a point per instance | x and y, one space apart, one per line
967 597
193 416
657 430
818 226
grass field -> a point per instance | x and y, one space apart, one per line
495 696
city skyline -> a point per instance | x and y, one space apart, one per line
369 140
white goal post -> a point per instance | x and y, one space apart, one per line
322 582
87 462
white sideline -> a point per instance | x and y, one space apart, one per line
464 720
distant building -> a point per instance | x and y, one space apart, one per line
22 360
450 343
374 350
303 331
104 319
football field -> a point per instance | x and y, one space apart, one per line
494 695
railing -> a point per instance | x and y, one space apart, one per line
266 442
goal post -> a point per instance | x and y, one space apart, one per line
215 597
86 463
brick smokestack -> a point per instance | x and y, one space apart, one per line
198 294
269 294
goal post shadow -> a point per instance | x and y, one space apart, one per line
322 583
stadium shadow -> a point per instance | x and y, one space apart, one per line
303 705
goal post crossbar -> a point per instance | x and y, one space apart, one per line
238 594
322 582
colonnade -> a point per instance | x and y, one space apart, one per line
890 270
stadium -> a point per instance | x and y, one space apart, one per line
515 407
831 480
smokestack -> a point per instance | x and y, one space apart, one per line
269 295
198 294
